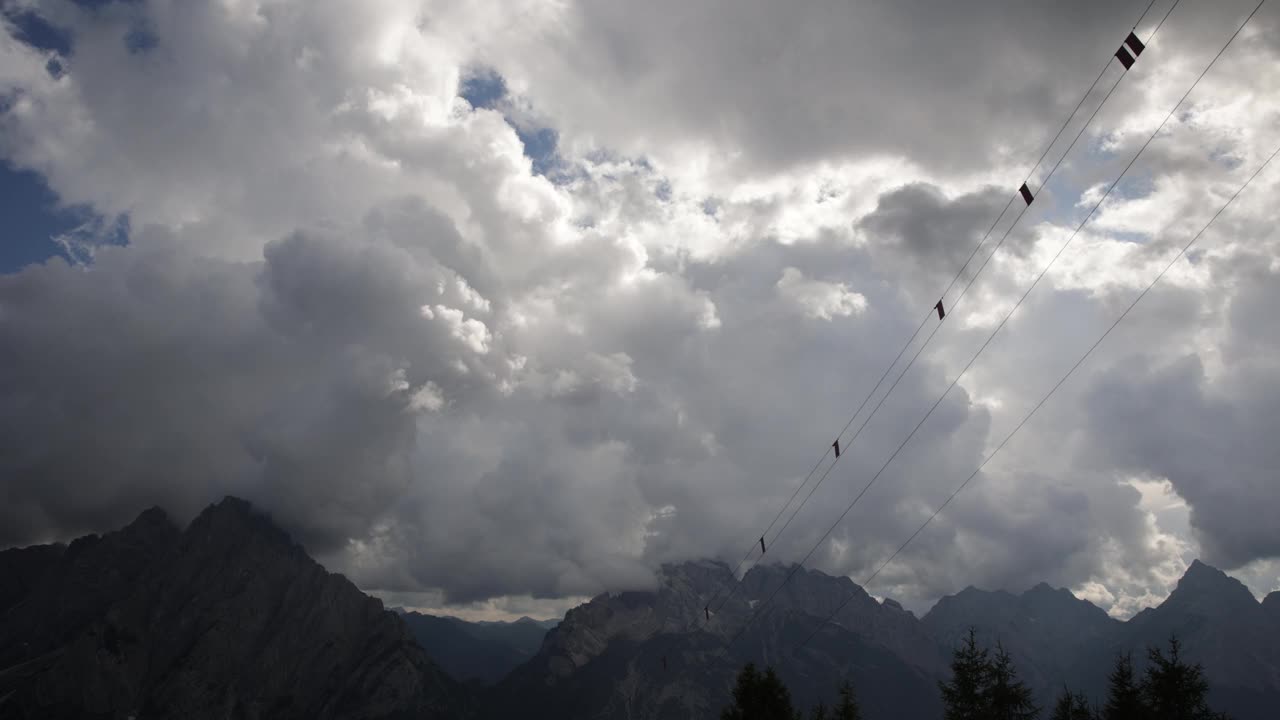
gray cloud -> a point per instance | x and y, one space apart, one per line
940 83
157 377
1211 439
351 301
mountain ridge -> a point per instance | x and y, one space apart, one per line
230 617
226 618
479 652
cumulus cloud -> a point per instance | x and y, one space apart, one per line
725 82
817 298
352 297
1215 451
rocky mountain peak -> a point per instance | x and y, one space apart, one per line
969 602
894 605
1044 589
1210 591
1271 604
1046 601
810 591
236 529
228 617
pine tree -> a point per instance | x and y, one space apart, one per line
970 669
1124 697
1072 706
759 697
1173 689
819 712
848 707
1007 697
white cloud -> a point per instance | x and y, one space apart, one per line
348 297
819 299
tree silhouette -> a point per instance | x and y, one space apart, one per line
1072 706
970 669
1173 689
1007 697
847 709
985 687
1124 697
759 697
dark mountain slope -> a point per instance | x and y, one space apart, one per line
1057 639
525 635
229 619
606 659
1043 629
483 652
632 655
1223 627
23 569
59 592
1271 605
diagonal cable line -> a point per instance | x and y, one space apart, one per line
956 304
1178 256
1002 323
828 450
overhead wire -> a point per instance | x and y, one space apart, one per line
765 604
1178 256
829 448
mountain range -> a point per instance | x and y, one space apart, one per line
480 653
229 618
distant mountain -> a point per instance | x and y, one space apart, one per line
525 635
483 652
1222 626
1043 629
646 655
1057 639
1271 605
228 618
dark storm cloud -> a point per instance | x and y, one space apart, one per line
1219 454
924 223
156 377
355 303
1209 433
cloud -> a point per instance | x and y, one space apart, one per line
819 299
1215 451
349 295
762 87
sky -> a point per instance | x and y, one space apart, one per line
498 306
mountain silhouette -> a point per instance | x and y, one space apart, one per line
227 618
230 618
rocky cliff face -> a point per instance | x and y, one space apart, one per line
1271 605
649 655
226 619
1222 626
652 655
57 592
1044 630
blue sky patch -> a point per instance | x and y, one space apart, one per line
486 89
40 33
483 89
140 39
540 147
33 218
